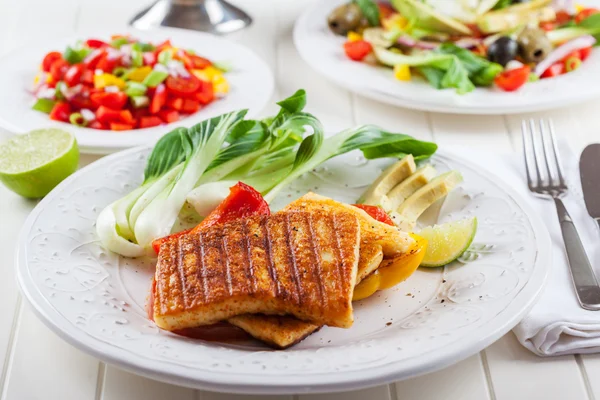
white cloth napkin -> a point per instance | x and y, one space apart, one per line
556 325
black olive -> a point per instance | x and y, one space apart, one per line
503 50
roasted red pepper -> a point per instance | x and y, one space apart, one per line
377 213
243 201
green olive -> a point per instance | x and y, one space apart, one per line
345 18
534 45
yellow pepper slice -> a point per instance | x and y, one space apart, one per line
579 7
353 36
214 75
104 80
139 74
394 22
392 271
402 72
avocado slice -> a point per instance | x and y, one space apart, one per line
516 15
407 187
419 201
427 17
388 179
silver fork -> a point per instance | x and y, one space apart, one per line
546 179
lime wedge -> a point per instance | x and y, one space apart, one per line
448 241
34 163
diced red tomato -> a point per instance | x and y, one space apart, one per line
87 77
555 69
147 122
73 75
119 126
126 117
149 58
585 13
176 103
82 100
192 61
190 106
385 10
58 69
107 64
95 43
158 99
96 125
206 93
92 60
115 101
513 79
164 45
60 112
585 53
548 25
562 17
243 201
49 59
169 115
107 115
377 213
180 86
358 49
138 113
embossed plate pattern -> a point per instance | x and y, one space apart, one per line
95 299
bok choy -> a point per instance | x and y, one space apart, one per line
200 163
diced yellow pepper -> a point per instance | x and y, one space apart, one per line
402 72
37 79
104 80
394 22
214 75
579 7
353 36
139 74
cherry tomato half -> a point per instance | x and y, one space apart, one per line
49 60
180 86
358 49
511 80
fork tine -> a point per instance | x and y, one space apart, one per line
559 167
526 152
536 156
551 177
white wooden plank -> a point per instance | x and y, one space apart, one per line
590 368
376 393
225 396
122 385
472 131
463 381
518 374
45 367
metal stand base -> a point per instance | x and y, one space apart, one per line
214 16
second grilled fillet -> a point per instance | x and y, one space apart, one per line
302 264
282 332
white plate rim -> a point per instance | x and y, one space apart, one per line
415 366
121 140
550 101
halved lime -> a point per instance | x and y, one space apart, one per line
32 164
448 241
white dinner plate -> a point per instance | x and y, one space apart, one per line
323 51
95 299
251 86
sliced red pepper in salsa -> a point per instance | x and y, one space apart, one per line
243 201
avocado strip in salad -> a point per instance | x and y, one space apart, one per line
466 44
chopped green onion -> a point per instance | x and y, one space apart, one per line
224 66
120 72
77 119
135 89
143 47
140 101
190 51
117 43
60 86
74 56
154 78
44 105
137 59
165 56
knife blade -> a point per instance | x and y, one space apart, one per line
589 170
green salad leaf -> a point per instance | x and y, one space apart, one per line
370 10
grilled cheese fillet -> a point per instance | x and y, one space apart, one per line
302 264
375 237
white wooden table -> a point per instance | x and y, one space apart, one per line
36 364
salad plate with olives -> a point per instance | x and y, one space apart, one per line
463 56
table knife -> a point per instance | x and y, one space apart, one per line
589 169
